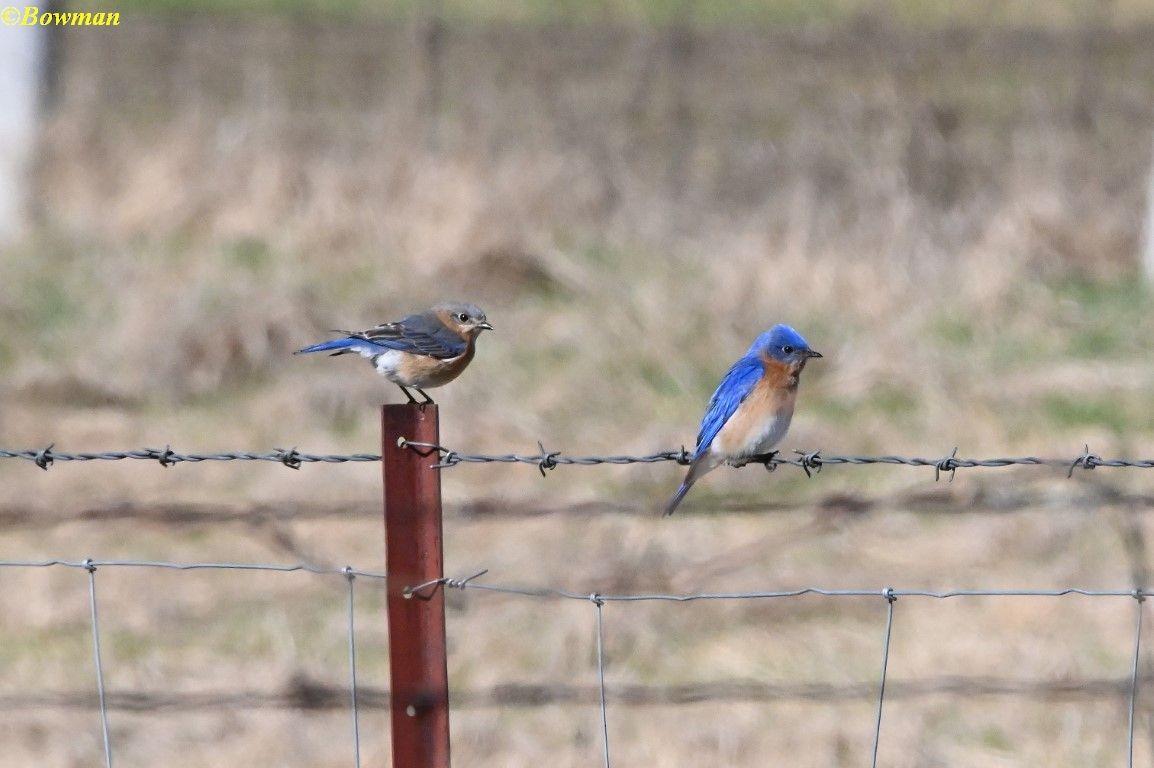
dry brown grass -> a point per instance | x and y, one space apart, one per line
950 216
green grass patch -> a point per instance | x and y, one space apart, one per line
1079 411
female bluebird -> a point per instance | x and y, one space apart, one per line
427 349
750 411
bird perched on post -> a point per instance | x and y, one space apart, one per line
750 411
425 350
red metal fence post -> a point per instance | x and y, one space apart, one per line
419 678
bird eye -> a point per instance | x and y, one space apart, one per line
787 349
462 317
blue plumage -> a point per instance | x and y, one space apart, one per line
739 381
774 361
343 345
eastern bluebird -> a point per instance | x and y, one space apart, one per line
427 349
750 410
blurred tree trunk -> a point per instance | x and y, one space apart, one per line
28 59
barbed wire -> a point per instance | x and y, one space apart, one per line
166 457
808 461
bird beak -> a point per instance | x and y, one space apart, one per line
813 353
484 327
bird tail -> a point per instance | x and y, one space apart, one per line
705 462
342 346
677 497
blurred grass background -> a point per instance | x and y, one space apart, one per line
946 198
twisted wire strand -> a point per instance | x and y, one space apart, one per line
808 461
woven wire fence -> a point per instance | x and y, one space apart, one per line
444 458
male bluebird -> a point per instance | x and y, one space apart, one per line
750 411
422 350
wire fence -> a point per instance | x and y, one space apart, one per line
888 597
305 695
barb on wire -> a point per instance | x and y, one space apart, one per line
810 462
165 457
43 457
548 458
1086 461
948 464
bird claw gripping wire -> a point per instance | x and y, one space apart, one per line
548 458
290 458
948 464
810 463
768 460
43 458
1086 461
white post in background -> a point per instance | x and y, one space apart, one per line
1148 224
21 54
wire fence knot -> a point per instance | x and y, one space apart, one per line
682 457
463 583
349 573
43 458
89 565
596 599
290 458
428 590
948 464
445 457
889 594
1086 461
419 591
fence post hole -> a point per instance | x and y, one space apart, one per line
419 679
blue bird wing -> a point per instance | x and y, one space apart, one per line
738 382
422 334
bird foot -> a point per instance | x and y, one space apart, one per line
760 458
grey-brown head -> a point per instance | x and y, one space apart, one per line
465 319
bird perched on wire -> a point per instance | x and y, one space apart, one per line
750 411
424 350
